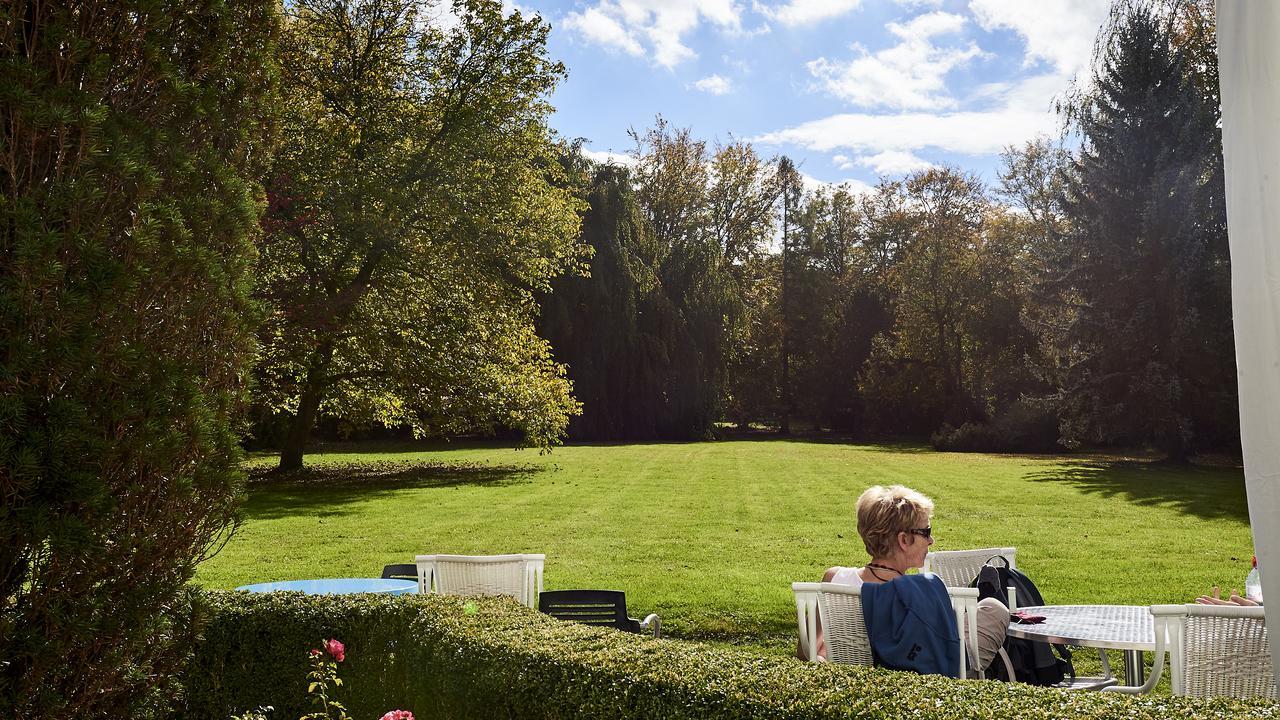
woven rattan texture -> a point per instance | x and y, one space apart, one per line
958 568
1228 657
844 629
463 578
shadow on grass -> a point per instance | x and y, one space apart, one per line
324 491
1207 493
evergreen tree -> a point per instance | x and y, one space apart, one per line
135 134
606 326
1147 278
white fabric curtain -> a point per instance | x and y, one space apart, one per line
1249 70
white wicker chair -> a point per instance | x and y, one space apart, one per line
840 609
519 576
1214 651
958 568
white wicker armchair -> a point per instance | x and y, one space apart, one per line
958 568
519 576
1214 651
845 632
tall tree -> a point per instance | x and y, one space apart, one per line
790 192
608 327
672 175
742 200
417 205
937 277
1032 180
929 243
133 137
1148 242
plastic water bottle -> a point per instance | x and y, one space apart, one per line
1253 583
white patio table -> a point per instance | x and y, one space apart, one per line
1112 627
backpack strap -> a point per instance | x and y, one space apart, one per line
1002 559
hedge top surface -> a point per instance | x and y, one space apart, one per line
531 665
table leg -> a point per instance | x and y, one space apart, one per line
1133 668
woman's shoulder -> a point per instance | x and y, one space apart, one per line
843 575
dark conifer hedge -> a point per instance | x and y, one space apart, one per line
131 136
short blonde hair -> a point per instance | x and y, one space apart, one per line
883 512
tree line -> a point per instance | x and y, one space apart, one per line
1083 299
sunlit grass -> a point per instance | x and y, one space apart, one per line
710 535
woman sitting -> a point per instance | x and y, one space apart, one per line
894 524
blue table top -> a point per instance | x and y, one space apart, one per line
338 586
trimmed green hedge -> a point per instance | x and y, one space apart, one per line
447 657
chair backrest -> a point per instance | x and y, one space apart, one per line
407 571
602 608
1215 650
519 576
958 568
845 631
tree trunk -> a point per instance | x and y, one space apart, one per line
1176 449
785 427
295 441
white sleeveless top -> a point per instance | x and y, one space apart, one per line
847 576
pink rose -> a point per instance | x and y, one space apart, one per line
397 715
336 649
315 653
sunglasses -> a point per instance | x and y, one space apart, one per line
924 532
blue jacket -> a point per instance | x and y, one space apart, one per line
911 625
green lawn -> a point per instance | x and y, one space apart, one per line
710 535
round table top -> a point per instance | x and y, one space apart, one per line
1117 627
338 586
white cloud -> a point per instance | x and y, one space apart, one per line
894 162
652 28
742 66
714 84
1024 111
606 157
813 184
907 76
806 12
601 29
1061 32
995 115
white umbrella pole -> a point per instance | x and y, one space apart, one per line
1249 77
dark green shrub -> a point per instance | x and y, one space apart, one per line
1022 427
134 130
446 657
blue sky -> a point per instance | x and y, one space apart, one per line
850 89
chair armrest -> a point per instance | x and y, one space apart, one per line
652 623
1008 665
1164 617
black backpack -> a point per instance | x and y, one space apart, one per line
1034 661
